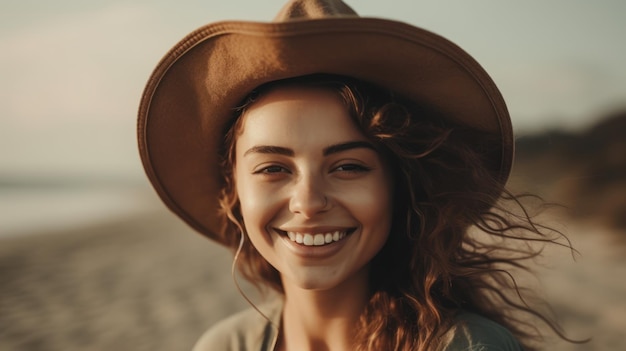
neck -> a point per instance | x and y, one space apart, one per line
323 319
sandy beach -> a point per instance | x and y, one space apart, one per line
141 283
147 282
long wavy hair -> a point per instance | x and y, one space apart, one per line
456 232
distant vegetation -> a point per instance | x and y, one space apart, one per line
586 171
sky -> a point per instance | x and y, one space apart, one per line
72 72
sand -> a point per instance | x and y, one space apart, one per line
148 282
143 283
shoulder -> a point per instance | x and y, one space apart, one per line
246 330
473 332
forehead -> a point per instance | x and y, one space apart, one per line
283 112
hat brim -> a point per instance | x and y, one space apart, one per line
194 89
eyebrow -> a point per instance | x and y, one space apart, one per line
269 149
332 149
347 146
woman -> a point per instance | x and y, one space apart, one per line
356 166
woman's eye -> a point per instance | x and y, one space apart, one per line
352 168
271 170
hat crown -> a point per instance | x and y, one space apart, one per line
311 9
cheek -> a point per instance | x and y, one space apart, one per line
380 219
382 210
372 206
374 202
258 204
258 208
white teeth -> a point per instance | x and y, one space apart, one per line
318 239
328 238
308 239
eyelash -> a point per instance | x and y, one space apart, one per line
272 170
352 168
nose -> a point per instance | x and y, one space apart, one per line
308 197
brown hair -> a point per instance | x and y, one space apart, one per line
441 256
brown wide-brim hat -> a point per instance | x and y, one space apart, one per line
193 91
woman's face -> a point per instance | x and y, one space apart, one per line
315 196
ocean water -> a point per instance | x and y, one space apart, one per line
40 209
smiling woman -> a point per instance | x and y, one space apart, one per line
366 190
323 178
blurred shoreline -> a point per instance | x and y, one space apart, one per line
32 207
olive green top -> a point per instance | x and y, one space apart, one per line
250 331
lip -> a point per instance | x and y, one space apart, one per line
317 252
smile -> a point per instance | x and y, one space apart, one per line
317 239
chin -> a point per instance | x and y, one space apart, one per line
313 281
